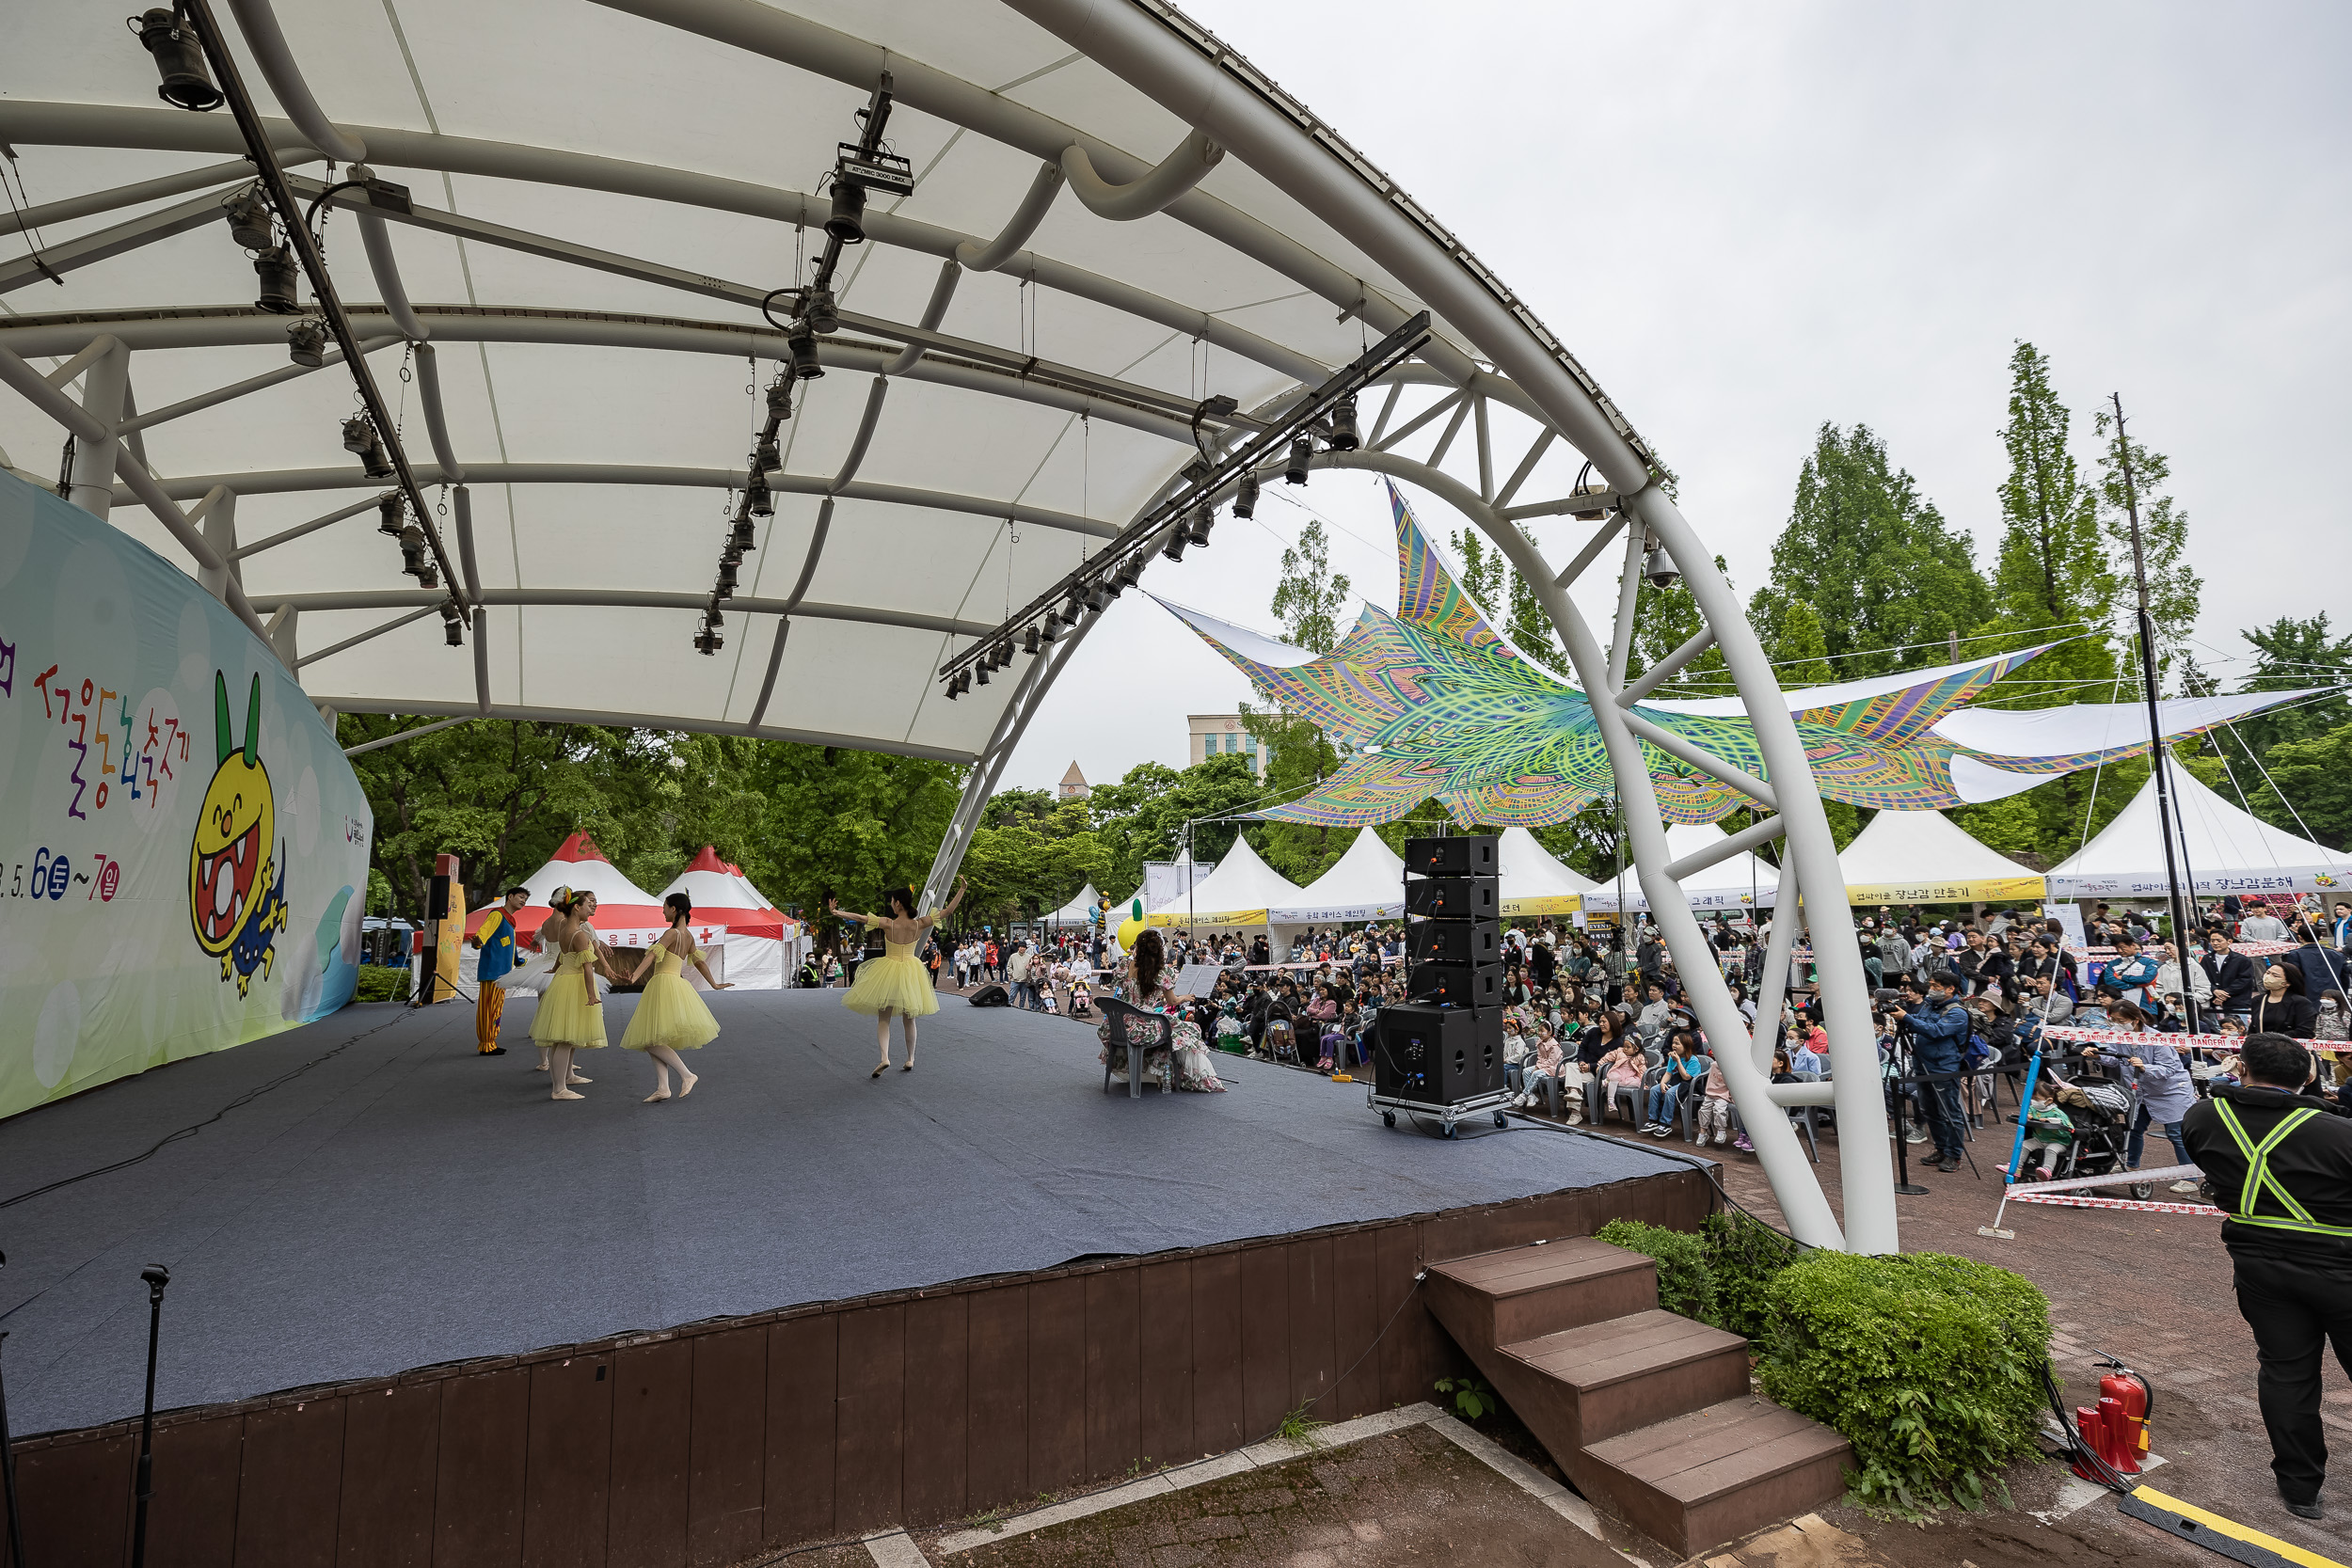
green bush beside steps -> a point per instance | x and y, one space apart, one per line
1929 1365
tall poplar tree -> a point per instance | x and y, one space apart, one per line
1308 598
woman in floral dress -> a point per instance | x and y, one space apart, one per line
1146 986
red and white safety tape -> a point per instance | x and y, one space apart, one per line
2076 1200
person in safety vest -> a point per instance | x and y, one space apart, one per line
2281 1165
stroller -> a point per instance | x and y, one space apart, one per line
2102 1111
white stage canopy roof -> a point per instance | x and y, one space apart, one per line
2229 850
1365 884
1078 911
1740 882
1240 892
1534 883
1922 857
566 318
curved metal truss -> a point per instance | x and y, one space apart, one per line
1386 258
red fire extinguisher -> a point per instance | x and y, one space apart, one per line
2134 1400
2090 1426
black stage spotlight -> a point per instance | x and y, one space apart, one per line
1130 573
1050 629
803 347
1076 608
713 615
708 643
766 458
1202 521
281 281
1343 436
745 535
727 579
306 344
1029 641
374 462
846 222
980 672
1174 548
358 435
412 551
1300 451
819 311
762 502
1098 598
388 515
780 397
453 623
430 577
249 219
1246 497
179 59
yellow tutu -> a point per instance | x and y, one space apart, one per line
669 1013
896 981
566 1015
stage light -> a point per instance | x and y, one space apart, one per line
248 220
757 496
179 60
1246 497
707 642
1660 567
1301 449
980 672
803 347
766 459
430 577
780 397
727 579
1050 629
1343 436
1029 641
1174 548
388 515
1202 521
358 435
1098 598
412 551
1130 573
306 344
281 281
848 220
374 462
713 615
819 311
453 623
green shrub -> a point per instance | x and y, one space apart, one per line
1685 1285
379 984
1744 1254
1929 1365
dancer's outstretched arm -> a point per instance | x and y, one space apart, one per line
715 983
644 963
946 908
850 914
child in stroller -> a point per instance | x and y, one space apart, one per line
2100 1111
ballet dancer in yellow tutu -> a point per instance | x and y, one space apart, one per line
571 1010
896 982
670 1016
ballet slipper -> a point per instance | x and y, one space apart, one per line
686 1084
880 1068
567 1094
657 1097
576 1078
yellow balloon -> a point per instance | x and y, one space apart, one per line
1130 931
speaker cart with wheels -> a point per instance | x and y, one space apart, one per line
1441 1053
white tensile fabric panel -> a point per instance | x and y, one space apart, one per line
1924 857
2087 727
2226 851
1367 882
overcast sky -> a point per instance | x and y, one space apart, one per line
1747 220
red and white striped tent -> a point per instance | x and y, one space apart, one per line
761 941
579 865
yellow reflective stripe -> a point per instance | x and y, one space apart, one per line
2258 1177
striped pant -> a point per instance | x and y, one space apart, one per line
487 1008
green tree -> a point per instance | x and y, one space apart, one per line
1664 620
2173 589
1141 818
1308 596
2291 655
849 825
2316 774
1507 601
1885 574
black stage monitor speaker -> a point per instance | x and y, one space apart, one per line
1460 855
1439 1055
1453 941
1456 984
990 995
1455 897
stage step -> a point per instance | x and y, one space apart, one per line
1647 1413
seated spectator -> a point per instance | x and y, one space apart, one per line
1683 1070
1715 1106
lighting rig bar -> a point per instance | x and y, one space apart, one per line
858 166
1329 412
264 159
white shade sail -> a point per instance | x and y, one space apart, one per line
2224 849
1239 892
1365 884
1741 882
1532 882
1922 857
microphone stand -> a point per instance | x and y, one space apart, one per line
157 1276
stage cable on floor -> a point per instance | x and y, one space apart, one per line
194 1128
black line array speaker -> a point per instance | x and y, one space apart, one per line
1445 1045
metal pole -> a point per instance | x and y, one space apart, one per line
7 1475
157 1276
2161 763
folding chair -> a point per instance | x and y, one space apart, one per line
1136 1032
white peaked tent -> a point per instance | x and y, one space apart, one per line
761 946
1365 884
1920 857
1078 911
1739 882
1240 892
2228 852
1533 882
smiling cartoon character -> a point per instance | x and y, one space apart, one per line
236 868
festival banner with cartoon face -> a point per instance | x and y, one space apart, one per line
183 849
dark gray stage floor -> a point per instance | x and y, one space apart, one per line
407 1202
